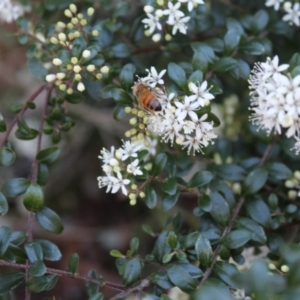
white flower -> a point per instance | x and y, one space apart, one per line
178 24
201 93
106 155
297 148
10 11
151 23
192 3
117 183
275 3
134 169
275 99
130 150
173 11
186 108
105 181
240 295
293 13
153 78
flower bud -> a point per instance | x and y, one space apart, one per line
68 13
60 76
95 32
50 77
132 121
74 60
54 40
73 8
70 91
74 21
90 11
77 77
76 68
60 25
62 87
62 37
142 194
91 68
86 53
127 109
104 70
57 61
83 22
80 87
148 9
99 76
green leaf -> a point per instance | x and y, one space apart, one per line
49 220
147 229
226 271
15 187
172 240
24 132
5 236
127 76
74 98
162 280
168 201
203 251
231 172
167 258
216 44
34 251
220 208
119 112
260 21
43 283
48 155
159 163
37 69
242 70
43 174
134 245
121 96
7 157
3 205
236 238
121 50
132 271
205 203
50 250
212 289
91 287
11 280
206 50
18 238
255 181
33 198
116 253
258 234
169 186
161 248
181 278
278 171
231 40
38 268
97 296
258 210
224 64
3 126
73 263
196 76
15 108
177 75
200 179
253 47
151 197
200 62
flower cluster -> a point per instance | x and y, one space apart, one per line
10 11
180 118
275 99
292 11
120 167
74 64
171 15
294 185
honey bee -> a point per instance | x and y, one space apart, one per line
146 97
